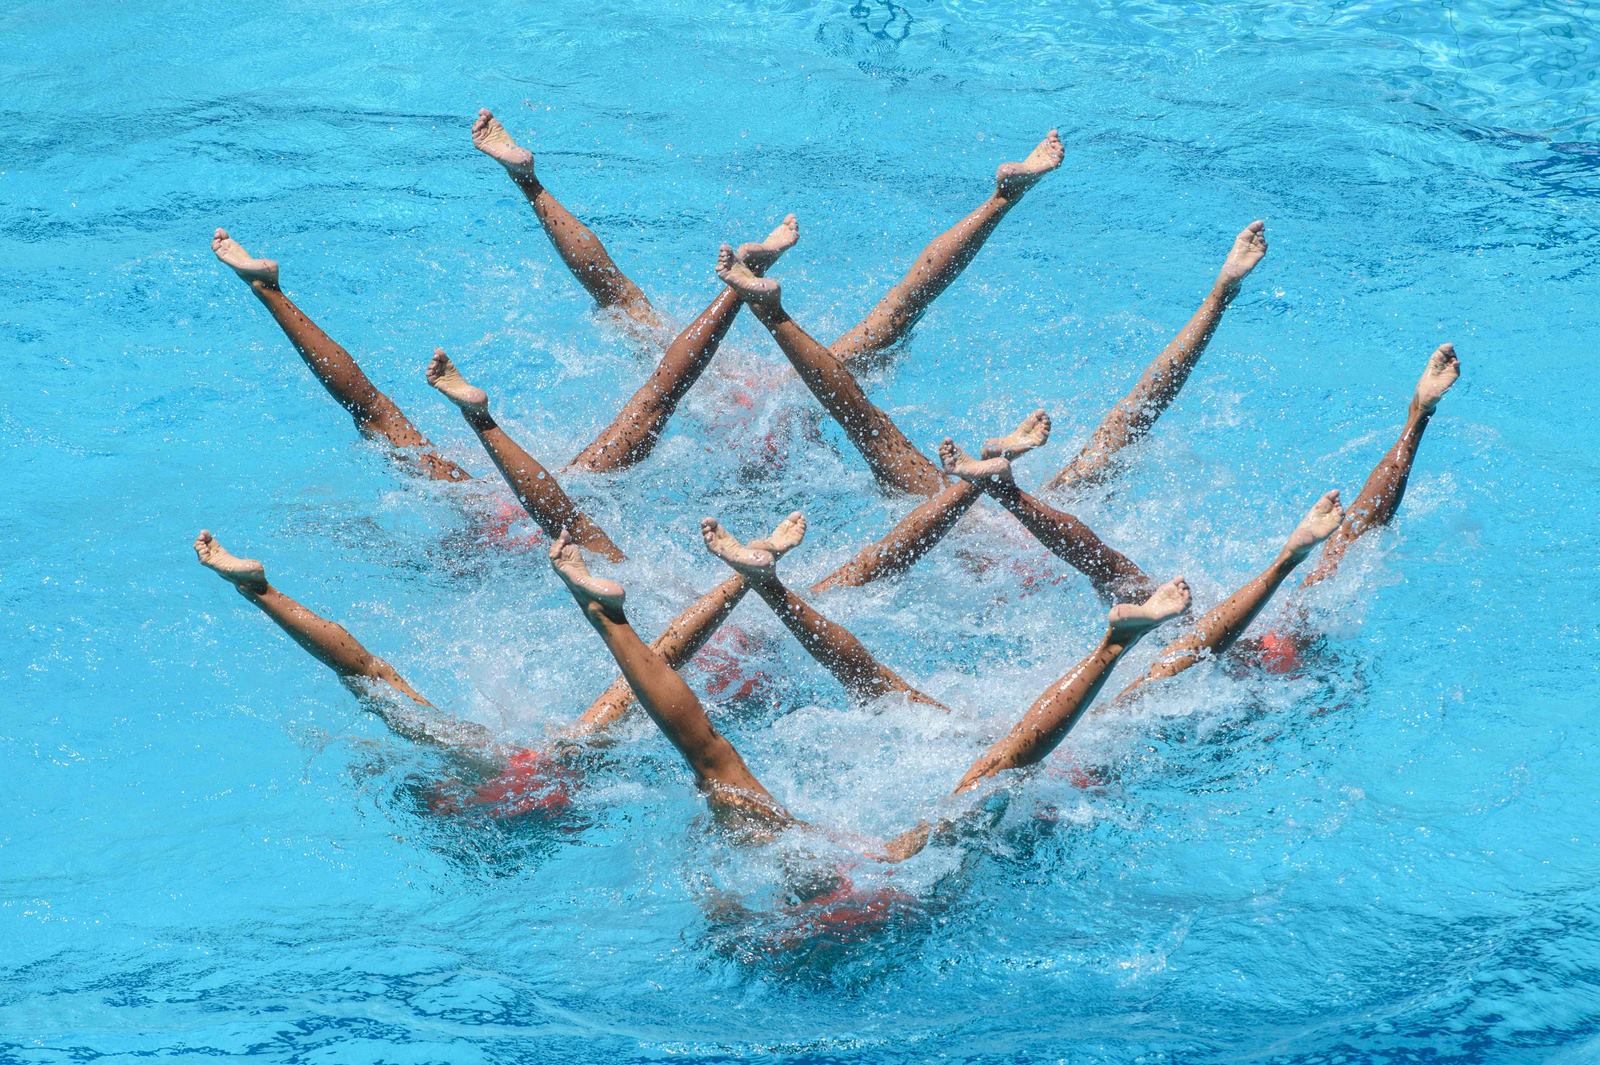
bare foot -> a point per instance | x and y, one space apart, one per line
248 269
566 558
1318 524
1013 179
1032 432
1444 367
246 574
958 463
1249 248
758 558
785 537
756 291
443 375
491 138
1129 621
758 257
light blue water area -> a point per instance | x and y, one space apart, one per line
208 848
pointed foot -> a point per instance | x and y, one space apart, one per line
592 593
246 574
443 375
241 262
1013 179
1129 621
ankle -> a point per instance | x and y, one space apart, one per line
769 313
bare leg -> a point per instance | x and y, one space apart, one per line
839 652
894 462
916 534
718 770
375 414
1115 577
942 261
634 432
333 646
685 635
1133 416
535 487
1380 496
1054 713
1224 624
578 247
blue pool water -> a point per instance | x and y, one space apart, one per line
207 849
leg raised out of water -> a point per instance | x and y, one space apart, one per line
1386 486
637 428
945 257
1053 714
894 462
1134 415
719 771
577 245
375 414
1224 624
535 486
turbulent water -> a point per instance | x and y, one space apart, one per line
208 848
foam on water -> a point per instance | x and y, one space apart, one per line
208 848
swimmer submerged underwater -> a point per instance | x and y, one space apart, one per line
987 296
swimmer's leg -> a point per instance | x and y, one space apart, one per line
685 635
633 433
1055 712
894 462
916 534
333 646
1133 416
835 647
1386 486
718 770
1116 578
375 414
578 247
535 486
942 261
1225 623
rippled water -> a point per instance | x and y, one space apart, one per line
208 849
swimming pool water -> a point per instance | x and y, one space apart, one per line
207 849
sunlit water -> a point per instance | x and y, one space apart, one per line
207 848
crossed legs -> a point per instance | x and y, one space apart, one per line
832 645
919 531
1115 576
638 426
719 772
894 462
633 434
